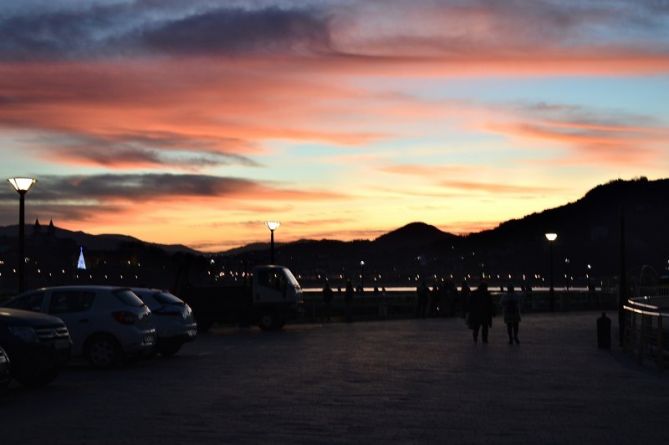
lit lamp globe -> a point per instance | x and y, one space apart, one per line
22 185
272 225
551 236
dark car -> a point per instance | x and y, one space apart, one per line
5 372
37 345
172 318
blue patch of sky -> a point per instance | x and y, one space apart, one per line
298 161
643 95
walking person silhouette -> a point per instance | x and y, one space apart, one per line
348 300
480 312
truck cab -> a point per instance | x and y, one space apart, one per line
269 299
276 296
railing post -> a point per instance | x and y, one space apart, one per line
640 341
660 346
631 333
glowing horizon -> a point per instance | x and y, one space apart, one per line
195 124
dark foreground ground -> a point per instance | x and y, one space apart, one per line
415 381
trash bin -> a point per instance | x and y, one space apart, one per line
604 332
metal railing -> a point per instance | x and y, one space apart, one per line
645 333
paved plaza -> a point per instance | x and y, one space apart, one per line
411 381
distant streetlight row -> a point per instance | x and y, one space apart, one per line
23 184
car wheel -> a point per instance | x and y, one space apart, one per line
205 325
169 349
36 379
103 351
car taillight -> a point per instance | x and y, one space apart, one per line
124 317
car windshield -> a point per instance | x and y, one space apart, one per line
129 298
167 298
292 278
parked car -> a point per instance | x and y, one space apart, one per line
5 370
37 345
172 318
107 323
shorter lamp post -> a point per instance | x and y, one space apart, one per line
362 275
551 237
272 226
21 185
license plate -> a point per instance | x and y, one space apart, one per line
62 344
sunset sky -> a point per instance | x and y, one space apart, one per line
195 121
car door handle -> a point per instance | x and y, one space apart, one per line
83 320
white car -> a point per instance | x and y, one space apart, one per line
172 318
106 323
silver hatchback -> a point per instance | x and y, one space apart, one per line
106 323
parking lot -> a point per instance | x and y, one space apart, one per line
409 381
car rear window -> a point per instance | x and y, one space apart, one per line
129 298
68 301
166 298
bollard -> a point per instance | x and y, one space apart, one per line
604 332
660 345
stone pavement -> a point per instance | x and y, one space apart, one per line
411 381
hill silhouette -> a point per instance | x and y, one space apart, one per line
102 242
588 234
414 234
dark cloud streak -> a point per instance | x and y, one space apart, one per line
231 31
141 27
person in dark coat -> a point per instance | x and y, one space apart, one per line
480 312
511 307
422 295
327 301
464 297
348 300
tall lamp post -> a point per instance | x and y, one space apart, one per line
272 226
21 185
551 237
362 274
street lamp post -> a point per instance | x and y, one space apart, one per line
272 226
21 185
362 274
551 237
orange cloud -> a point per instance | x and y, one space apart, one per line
496 188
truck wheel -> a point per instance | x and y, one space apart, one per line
103 351
267 321
271 321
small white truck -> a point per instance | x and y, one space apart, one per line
270 298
